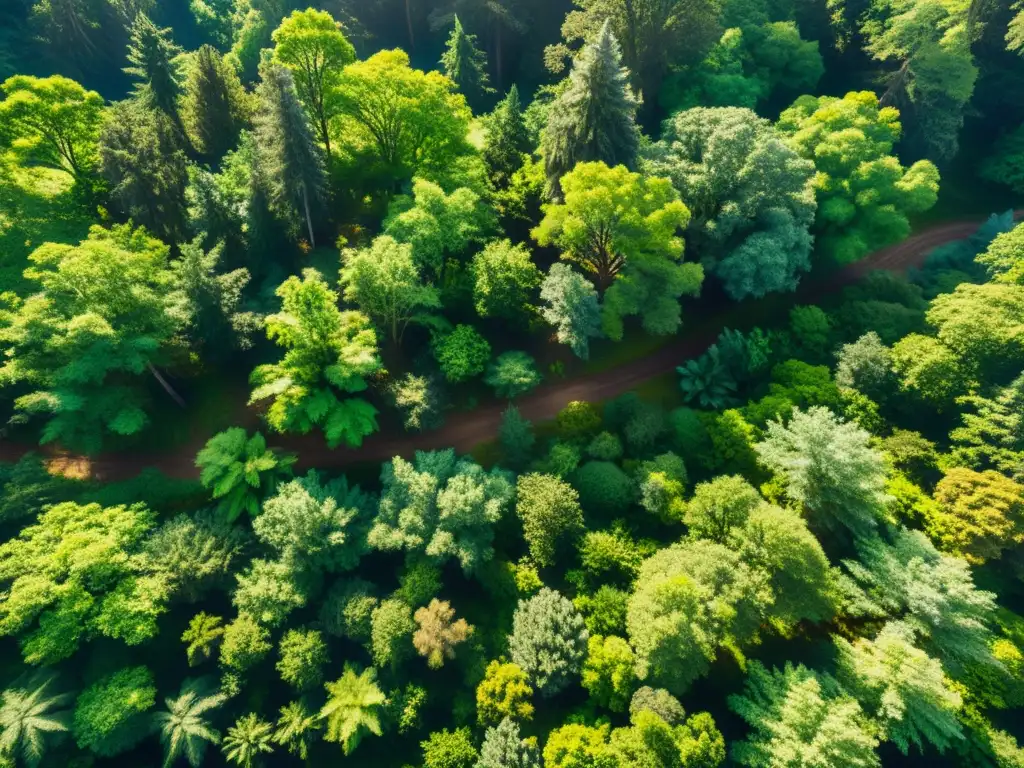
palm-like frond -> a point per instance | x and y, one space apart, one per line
295 729
26 716
183 727
353 708
247 739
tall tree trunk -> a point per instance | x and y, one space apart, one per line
309 219
167 387
327 138
408 24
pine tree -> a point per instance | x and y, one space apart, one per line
507 139
466 65
151 53
593 118
290 158
215 107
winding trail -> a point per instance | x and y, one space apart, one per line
466 430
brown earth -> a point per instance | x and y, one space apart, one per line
466 430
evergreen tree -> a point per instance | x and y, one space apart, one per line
466 64
593 119
290 158
215 106
507 139
152 54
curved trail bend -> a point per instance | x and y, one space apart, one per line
465 430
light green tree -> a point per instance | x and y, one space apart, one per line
549 509
503 694
512 374
608 672
240 471
504 279
1004 257
248 740
353 708
303 656
296 729
110 715
184 728
548 640
28 722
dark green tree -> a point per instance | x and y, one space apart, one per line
152 55
507 139
593 118
215 107
466 64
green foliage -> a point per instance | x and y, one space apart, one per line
548 641
81 342
864 195
660 702
604 612
153 56
811 328
348 609
353 708
503 748
507 141
78 572
993 435
449 749
750 194
268 590
549 509
462 354
707 380
327 351
503 694
240 471
652 741
982 324
605 447
195 553
321 526
604 489
214 106
865 365
27 719
296 729
391 628
504 279
579 746
608 672
202 633
903 688
512 374
441 506
465 64
420 399
248 739
979 514
720 507
53 121
1004 257
245 643
621 227
516 438
184 729
303 656
1006 163
110 714
929 370
795 711
571 306
829 468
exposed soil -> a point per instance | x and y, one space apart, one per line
465 430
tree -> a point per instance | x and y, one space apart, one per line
327 351
690 599
246 643
449 749
78 572
504 694
440 506
290 161
707 380
1004 257
385 283
507 141
247 740
207 306
512 374
982 324
929 370
296 728
750 194
979 515
203 632
391 628
110 714
503 748
143 161
800 717
438 635
659 702
504 279
53 121
550 512
195 553
240 471
313 46
608 672
579 746
353 708
864 195
268 590
829 468
592 120
439 226
651 741
571 305
184 730
348 609
865 365
621 227
81 342
548 641
214 106
720 507
516 438
603 487
153 56
465 64
902 687
462 354
993 435
27 720
410 120
303 656
420 399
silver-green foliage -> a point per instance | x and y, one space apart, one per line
548 640
184 728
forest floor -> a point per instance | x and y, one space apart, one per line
467 430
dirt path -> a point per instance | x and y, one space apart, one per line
465 430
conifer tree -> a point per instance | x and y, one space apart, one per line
594 118
215 106
152 53
507 140
290 158
466 65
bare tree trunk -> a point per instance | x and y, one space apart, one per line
309 219
167 387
